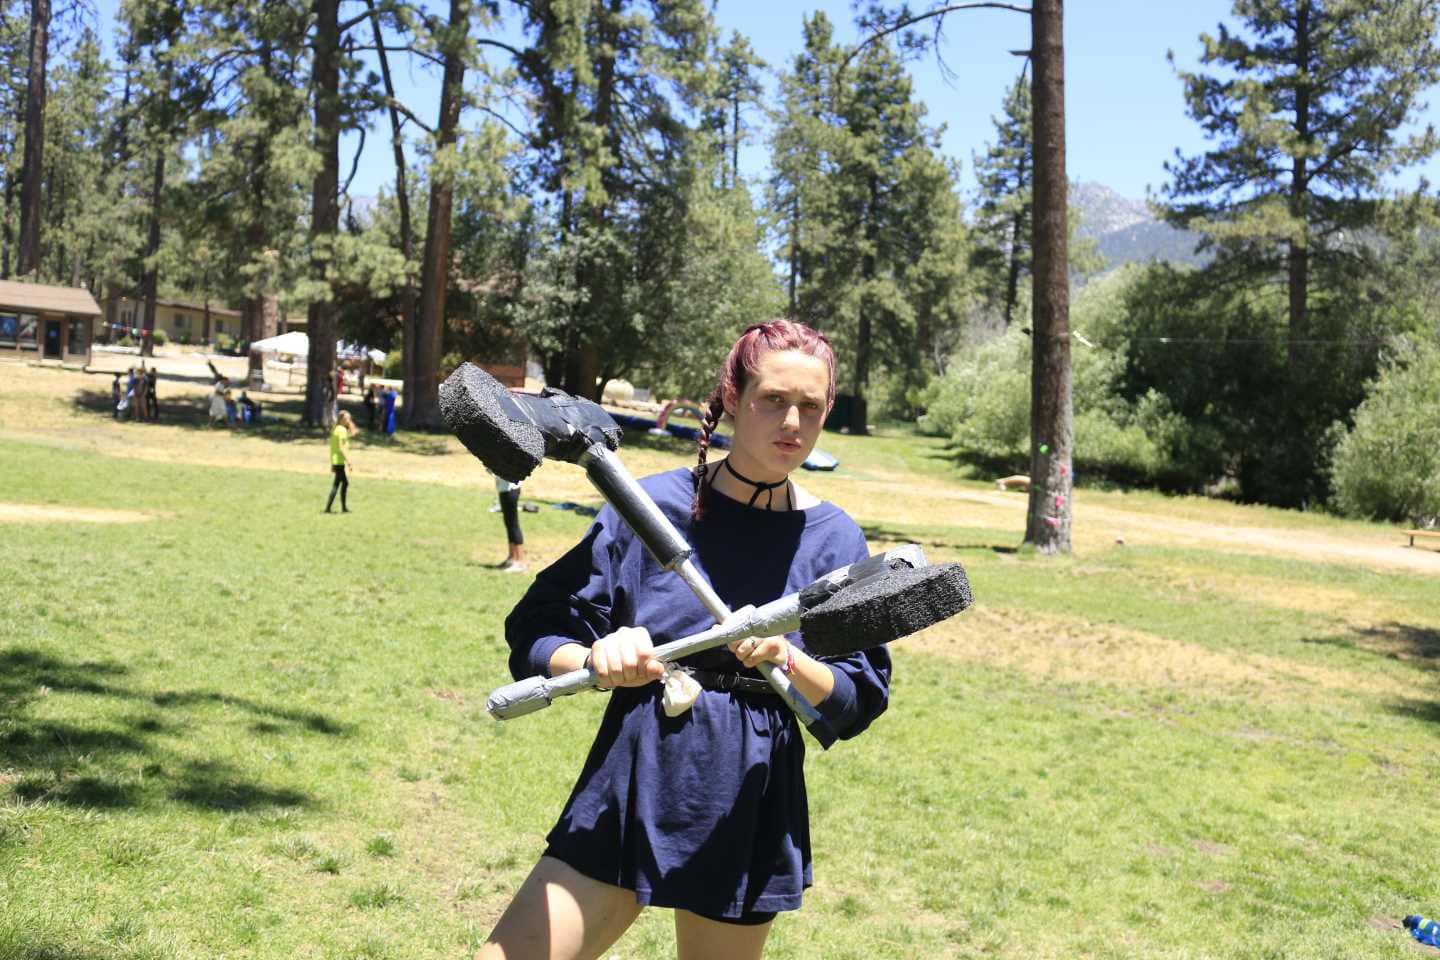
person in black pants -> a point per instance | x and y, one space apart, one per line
152 400
370 403
509 494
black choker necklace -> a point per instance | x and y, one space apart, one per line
767 488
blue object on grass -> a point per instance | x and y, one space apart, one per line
1425 930
820 460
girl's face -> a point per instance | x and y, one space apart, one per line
779 414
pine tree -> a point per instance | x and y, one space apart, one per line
854 186
1307 104
1004 210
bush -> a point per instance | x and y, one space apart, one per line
125 341
159 337
394 365
224 342
1387 466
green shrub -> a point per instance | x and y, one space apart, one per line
224 342
159 337
1387 466
983 402
394 365
125 341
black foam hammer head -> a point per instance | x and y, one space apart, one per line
885 607
512 433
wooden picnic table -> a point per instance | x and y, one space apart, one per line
1412 534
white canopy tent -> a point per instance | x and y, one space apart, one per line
295 343
296 346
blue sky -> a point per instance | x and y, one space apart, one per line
1125 114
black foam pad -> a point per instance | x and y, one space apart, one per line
474 405
883 608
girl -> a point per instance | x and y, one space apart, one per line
340 459
704 812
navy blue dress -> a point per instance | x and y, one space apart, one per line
705 811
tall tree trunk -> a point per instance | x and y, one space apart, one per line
152 249
28 260
735 141
324 216
423 409
408 317
794 255
1298 265
1051 438
859 405
1012 278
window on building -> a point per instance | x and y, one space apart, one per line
182 323
9 329
219 326
29 331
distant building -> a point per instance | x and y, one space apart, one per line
183 321
44 322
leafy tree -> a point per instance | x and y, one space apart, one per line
737 87
858 196
1387 466
1307 103
610 79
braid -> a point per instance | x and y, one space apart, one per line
707 428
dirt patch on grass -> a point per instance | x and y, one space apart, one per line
1056 648
40 513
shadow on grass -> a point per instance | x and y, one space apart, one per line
124 762
874 532
1393 640
280 422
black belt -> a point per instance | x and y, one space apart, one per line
729 682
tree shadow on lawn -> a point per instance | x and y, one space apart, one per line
1417 646
279 423
1393 641
94 765
874 532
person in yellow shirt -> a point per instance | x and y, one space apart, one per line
340 459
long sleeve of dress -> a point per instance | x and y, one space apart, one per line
569 602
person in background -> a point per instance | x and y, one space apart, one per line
340 459
135 393
249 409
152 399
390 397
509 494
115 395
370 403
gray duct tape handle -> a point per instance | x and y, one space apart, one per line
536 693
635 507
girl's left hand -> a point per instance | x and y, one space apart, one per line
753 651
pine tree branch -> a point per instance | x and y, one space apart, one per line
941 12
355 166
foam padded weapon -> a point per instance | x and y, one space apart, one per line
866 604
512 434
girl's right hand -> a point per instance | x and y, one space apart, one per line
625 658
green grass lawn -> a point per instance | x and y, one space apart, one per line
246 729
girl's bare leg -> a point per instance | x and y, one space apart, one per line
699 938
561 914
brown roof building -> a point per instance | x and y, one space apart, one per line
44 322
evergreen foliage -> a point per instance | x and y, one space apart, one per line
1306 102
